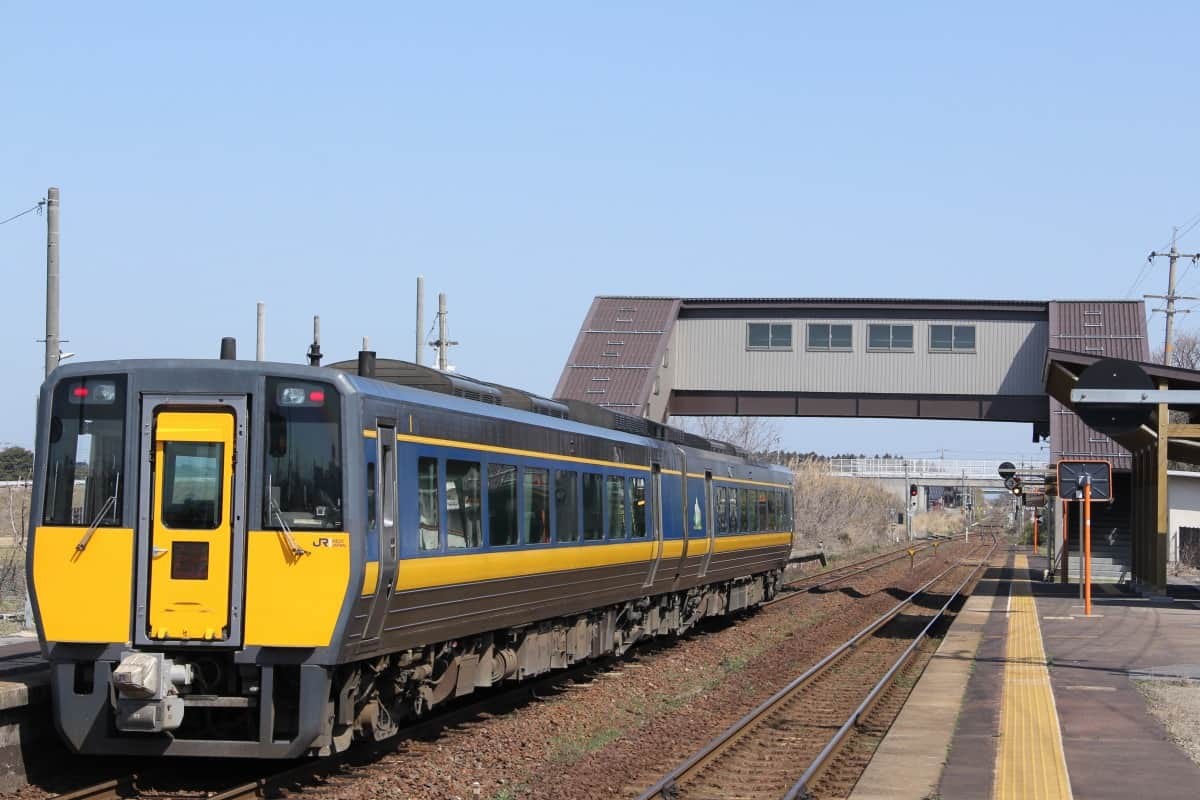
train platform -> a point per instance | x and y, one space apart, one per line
1027 697
24 704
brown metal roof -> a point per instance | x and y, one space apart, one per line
1095 329
618 351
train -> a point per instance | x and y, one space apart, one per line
266 560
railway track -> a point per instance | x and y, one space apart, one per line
810 583
782 747
169 784
153 783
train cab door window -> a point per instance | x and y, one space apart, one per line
638 507
614 506
743 496
535 505
191 485
593 506
566 504
429 524
502 505
464 528
85 475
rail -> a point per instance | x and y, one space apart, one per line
668 786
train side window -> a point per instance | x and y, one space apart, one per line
764 518
593 506
464 528
638 510
535 525
614 497
566 504
722 509
743 510
429 525
502 504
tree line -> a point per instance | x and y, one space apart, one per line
16 463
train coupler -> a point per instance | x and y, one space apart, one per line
146 694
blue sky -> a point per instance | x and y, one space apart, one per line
527 157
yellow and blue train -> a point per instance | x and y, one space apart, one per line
234 558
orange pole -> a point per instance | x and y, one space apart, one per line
1087 548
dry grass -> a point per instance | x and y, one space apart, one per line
842 513
14 521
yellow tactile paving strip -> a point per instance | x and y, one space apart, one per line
1029 760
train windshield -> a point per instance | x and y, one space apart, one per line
85 466
303 477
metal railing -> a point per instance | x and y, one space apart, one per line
921 468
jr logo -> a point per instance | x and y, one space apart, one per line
325 541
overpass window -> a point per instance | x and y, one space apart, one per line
824 336
896 338
952 338
768 336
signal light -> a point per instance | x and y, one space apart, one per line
912 490
1017 488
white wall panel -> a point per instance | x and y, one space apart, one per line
711 354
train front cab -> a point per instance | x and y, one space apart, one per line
178 617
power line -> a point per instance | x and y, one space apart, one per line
35 207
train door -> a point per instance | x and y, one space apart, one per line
656 521
709 527
191 520
384 513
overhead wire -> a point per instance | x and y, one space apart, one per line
35 207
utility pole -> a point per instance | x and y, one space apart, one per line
53 345
1170 296
442 343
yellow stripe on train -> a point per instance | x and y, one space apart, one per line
424 573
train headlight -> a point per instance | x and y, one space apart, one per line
94 393
301 396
